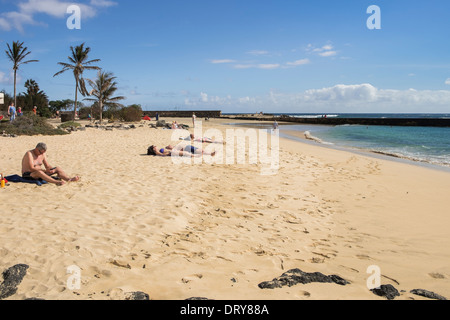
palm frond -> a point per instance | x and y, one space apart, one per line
17 53
92 61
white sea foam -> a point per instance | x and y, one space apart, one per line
309 116
308 136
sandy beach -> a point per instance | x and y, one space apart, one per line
175 231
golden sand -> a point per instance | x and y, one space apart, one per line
175 231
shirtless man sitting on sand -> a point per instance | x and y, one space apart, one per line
32 167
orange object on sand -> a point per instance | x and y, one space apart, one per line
146 118
3 181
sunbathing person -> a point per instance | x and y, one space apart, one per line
177 151
203 139
32 167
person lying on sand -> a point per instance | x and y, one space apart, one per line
172 151
32 167
203 139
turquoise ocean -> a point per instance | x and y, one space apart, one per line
427 145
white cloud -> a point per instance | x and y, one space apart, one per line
103 3
15 20
3 78
7 78
204 97
268 66
204 100
298 62
324 51
4 24
55 8
327 47
272 66
347 93
219 61
447 81
243 66
359 98
258 52
328 54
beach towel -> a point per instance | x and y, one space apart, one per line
18 179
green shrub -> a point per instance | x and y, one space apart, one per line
131 114
84 112
69 124
30 126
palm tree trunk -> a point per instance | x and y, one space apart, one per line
101 111
76 100
15 96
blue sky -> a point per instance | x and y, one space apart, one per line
243 56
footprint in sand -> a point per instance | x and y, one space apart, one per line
317 260
304 294
436 275
190 278
349 268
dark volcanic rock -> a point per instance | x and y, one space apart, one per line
138 295
427 294
387 291
296 276
12 277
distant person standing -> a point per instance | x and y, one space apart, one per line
193 119
19 112
12 112
35 110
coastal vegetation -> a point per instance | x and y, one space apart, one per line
105 102
69 124
131 113
30 125
33 96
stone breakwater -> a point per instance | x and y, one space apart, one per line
411 122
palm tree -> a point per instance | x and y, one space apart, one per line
35 97
79 60
103 89
17 54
